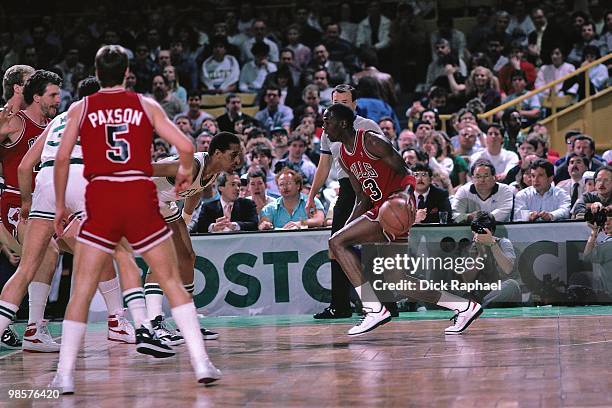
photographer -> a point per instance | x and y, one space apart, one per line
498 257
598 199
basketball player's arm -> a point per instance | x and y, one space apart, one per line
25 172
169 168
9 123
170 133
362 201
191 203
323 168
381 148
62 163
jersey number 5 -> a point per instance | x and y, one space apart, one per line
119 151
374 191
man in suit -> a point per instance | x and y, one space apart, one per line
431 200
229 213
574 186
233 112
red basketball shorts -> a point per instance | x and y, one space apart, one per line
122 209
10 207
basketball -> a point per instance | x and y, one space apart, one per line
397 214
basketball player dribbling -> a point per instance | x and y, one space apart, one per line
377 172
116 130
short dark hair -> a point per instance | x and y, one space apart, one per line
193 93
260 48
543 164
261 149
37 84
111 63
166 81
342 112
483 217
572 133
222 141
422 167
231 96
518 73
345 88
272 87
417 123
585 137
223 177
607 168
255 174
482 163
296 137
88 86
496 126
15 75
420 154
584 159
591 50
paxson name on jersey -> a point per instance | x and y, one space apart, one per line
115 116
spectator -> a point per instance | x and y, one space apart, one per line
520 25
482 194
483 85
229 212
405 139
184 124
447 64
598 199
431 116
537 40
288 211
387 126
512 122
499 258
413 155
274 115
505 75
588 37
528 108
320 60
583 146
574 186
502 159
370 104
297 157
261 156
255 71
163 58
431 200
468 135
348 29
422 130
185 65
607 156
220 72
373 31
522 179
598 74
477 37
321 79
233 113
72 70
606 32
309 35
385 81
301 53
495 52
170 103
280 142
143 68
203 140
175 87
259 30
551 72
527 148
195 114
339 49
446 30
256 180
287 58
542 200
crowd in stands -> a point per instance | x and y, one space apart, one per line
293 59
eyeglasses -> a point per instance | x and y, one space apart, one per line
421 174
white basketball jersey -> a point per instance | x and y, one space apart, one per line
165 185
54 137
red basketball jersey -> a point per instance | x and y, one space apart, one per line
116 136
378 180
12 152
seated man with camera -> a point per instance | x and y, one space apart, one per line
498 257
599 199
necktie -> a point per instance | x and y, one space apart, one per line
421 203
574 194
227 210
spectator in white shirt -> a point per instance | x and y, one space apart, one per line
254 72
482 194
542 200
574 186
551 72
259 30
220 72
373 31
503 160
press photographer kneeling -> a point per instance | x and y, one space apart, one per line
499 258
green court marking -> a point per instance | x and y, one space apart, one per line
300 320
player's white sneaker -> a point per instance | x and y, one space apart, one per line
164 333
463 318
38 339
65 383
206 372
120 329
370 321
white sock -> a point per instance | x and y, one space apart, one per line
38 293
7 314
452 302
368 297
111 292
189 287
187 321
155 297
72 338
135 301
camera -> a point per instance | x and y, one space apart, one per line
478 226
598 218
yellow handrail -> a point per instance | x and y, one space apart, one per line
549 85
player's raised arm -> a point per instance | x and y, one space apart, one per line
62 163
170 133
25 172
